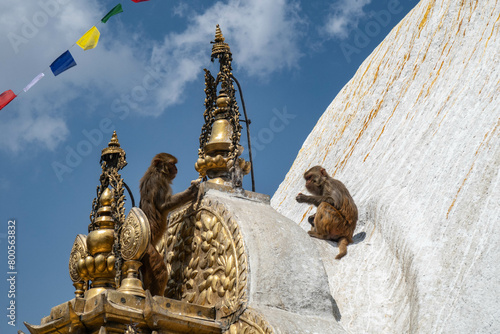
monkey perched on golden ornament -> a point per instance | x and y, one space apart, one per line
337 214
156 202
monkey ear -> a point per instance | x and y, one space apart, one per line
323 172
156 162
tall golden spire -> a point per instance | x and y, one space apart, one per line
220 135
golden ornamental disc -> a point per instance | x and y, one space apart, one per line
78 252
135 235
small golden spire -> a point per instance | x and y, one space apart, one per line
114 140
219 47
113 146
114 155
98 259
218 34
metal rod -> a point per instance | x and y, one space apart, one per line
130 194
247 122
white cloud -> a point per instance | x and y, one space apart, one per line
344 16
44 130
263 35
34 33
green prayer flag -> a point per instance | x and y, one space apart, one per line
116 10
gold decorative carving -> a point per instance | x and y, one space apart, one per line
205 254
135 235
251 322
79 251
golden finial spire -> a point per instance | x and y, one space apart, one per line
114 155
219 47
115 243
218 34
220 135
114 140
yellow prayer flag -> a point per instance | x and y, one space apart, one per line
90 39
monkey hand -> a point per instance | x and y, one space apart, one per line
193 188
196 182
301 198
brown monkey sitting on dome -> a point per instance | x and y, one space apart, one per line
156 202
336 216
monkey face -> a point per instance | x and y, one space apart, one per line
315 180
314 183
165 163
172 170
168 168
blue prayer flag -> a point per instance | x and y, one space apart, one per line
62 63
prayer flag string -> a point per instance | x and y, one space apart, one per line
66 61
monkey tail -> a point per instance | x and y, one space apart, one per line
154 271
343 242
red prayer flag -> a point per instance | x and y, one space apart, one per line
6 97
139 0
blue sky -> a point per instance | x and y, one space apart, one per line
145 80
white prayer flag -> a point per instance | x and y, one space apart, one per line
33 82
